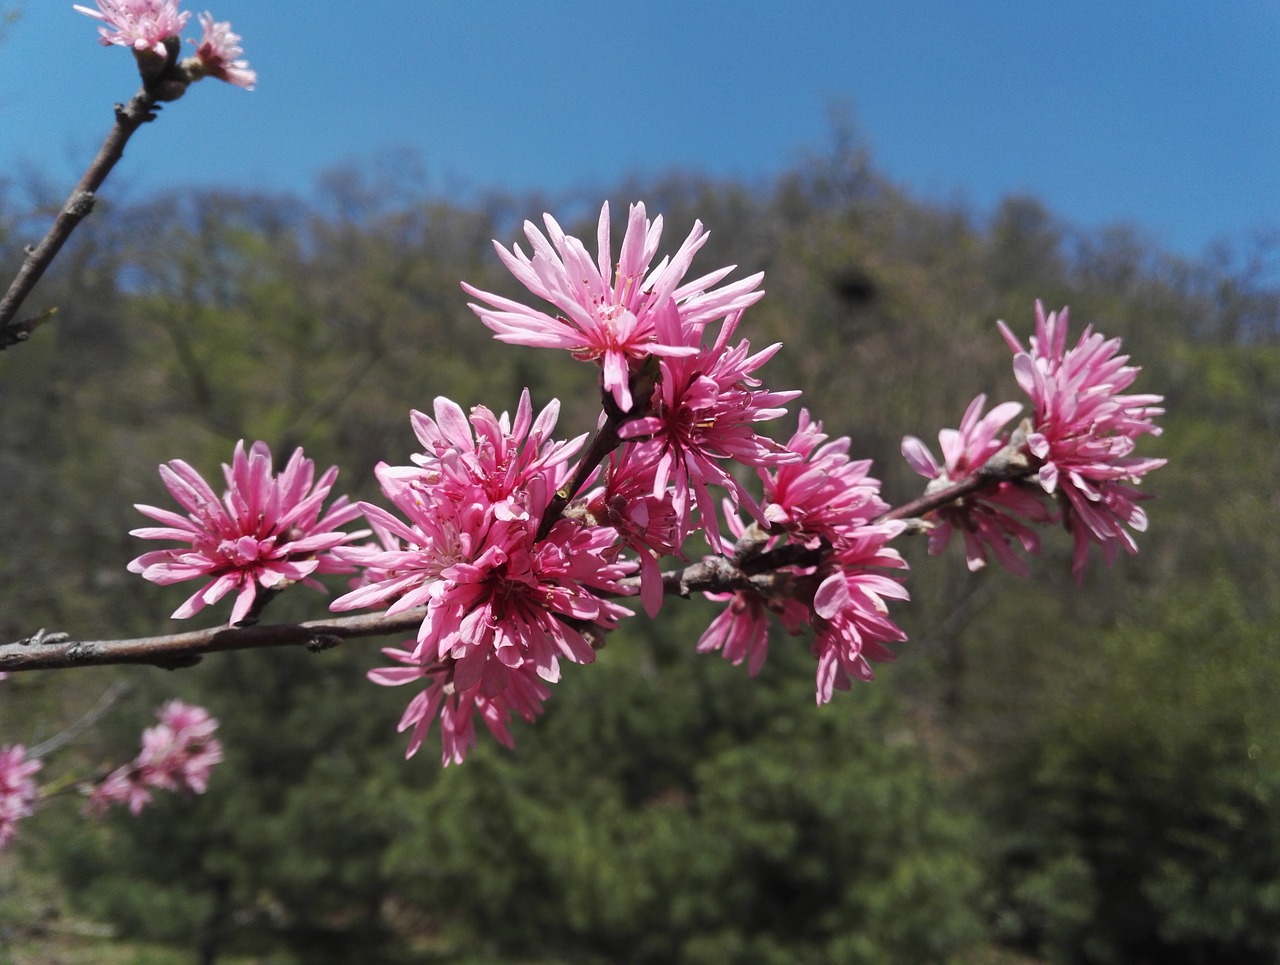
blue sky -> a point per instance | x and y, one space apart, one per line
1162 114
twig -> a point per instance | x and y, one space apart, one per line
129 118
56 651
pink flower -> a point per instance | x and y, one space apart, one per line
609 313
741 631
1084 432
266 532
822 494
522 692
494 596
987 519
850 609
140 24
646 524
503 458
500 604
18 791
844 599
177 754
828 504
217 53
703 413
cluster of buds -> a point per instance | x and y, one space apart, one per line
152 29
516 546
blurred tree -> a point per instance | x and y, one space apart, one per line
1138 821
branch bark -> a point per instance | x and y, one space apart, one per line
57 651
129 117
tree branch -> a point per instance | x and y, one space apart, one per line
173 651
56 651
140 109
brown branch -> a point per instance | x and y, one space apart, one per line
129 118
605 440
57 652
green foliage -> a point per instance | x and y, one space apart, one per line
1139 821
669 808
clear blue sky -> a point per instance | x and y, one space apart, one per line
1163 114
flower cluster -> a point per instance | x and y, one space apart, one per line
1084 432
1078 446
265 533
177 754
152 28
503 602
18 789
511 548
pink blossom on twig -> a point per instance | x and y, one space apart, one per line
266 532
218 54
822 494
609 312
992 516
827 503
143 25
1084 432
177 754
703 415
850 608
501 605
647 524
18 791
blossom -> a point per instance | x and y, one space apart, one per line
500 456
218 54
143 25
830 505
493 595
503 602
522 692
1084 431
843 599
989 517
850 608
609 311
177 754
645 523
741 630
703 413
822 494
18 790
266 532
